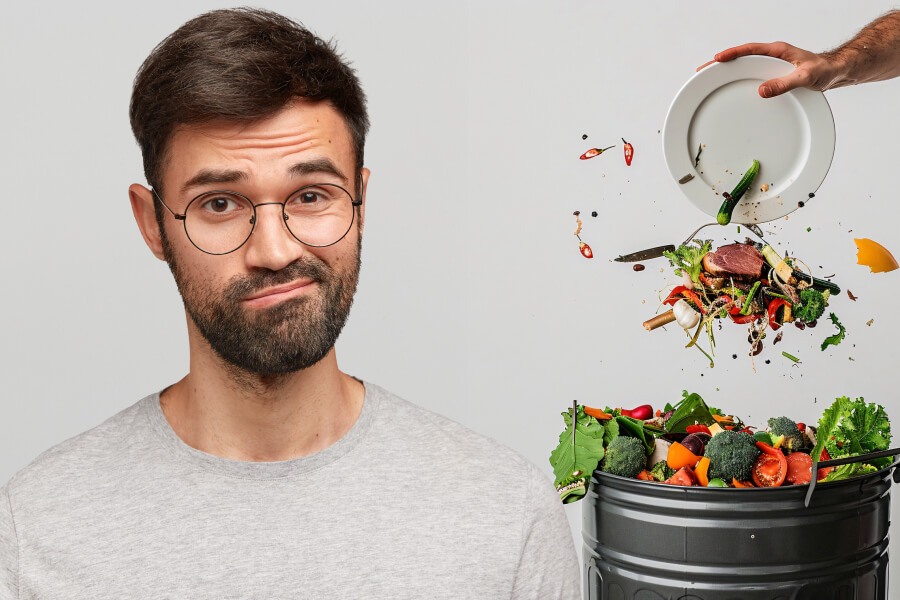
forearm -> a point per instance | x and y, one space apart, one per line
873 55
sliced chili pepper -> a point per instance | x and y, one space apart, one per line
594 152
687 293
585 250
821 473
771 466
801 427
629 152
744 319
697 429
641 413
735 309
774 305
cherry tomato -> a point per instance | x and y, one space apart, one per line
799 468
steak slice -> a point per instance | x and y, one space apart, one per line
740 260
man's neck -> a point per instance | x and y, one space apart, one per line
262 419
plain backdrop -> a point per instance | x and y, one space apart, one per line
473 300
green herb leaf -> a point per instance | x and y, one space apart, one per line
835 339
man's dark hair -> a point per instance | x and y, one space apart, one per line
241 64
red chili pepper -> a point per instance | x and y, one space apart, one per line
629 152
697 429
689 294
641 413
744 319
585 250
774 305
594 152
801 427
735 309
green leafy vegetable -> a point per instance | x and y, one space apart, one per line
691 410
834 340
828 424
848 471
688 258
574 464
634 428
864 428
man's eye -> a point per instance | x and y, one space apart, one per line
309 198
220 204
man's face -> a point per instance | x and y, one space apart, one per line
274 305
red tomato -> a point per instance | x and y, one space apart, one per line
684 476
697 429
770 468
799 468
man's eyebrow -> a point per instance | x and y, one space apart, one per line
318 165
207 176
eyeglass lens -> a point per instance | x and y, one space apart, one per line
220 222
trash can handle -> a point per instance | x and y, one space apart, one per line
846 461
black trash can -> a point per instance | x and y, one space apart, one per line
651 541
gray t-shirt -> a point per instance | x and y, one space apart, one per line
408 504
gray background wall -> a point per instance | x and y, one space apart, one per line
474 300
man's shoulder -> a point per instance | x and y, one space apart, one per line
87 452
437 439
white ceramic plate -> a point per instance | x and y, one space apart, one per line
792 137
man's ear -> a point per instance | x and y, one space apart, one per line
362 209
145 215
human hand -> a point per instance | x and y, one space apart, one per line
814 71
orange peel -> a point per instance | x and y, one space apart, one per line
875 256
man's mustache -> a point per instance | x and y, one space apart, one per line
307 267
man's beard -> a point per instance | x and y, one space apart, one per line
289 336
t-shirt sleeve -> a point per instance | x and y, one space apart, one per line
548 568
9 550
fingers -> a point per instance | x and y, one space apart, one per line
780 50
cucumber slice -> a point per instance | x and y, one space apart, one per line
724 216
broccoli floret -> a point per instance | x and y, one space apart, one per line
661 471
812 305
787 430
624 456
731 455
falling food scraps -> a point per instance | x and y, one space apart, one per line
629 152
875 256
594 152
584 248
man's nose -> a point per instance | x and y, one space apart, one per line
271 246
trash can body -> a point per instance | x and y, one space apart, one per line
648 541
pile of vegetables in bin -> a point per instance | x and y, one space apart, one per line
747 283
692 444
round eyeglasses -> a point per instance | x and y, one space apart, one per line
220 222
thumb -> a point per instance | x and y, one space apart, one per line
782 85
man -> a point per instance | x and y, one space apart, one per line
266 472
872 55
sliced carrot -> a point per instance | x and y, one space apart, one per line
645 475
741 484
702 471
596 413
721 419
679 457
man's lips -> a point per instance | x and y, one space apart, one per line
277 294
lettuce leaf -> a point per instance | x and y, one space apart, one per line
828 424
568 459
688 258
834 340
